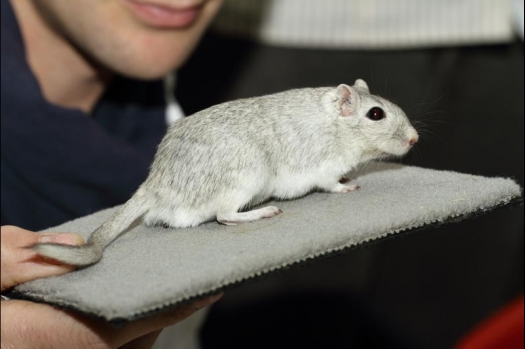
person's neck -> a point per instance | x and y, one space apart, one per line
65 76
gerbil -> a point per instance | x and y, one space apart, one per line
236 155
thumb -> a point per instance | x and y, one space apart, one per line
21 264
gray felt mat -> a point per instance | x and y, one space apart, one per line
149 269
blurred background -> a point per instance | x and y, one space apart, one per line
456 66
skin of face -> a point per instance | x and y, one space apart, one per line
111 34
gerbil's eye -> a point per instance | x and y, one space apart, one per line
375 114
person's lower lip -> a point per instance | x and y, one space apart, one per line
163 16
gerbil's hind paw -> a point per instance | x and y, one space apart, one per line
271 211
234 218
227 222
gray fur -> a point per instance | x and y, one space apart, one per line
236 155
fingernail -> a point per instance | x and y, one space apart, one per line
63 238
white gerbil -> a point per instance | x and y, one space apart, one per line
236 155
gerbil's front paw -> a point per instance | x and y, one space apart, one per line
344 188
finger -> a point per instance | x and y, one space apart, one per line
42 326
21 264
157 322
61 238
144 342
170 317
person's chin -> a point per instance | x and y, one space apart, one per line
147 76
150 69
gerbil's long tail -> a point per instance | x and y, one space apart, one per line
91 252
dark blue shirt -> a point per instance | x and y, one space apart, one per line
59 163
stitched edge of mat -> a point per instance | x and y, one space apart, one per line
391 234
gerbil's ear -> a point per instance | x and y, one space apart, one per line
346 100
362 85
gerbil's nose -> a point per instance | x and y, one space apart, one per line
413 140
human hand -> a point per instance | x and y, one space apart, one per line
33 325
